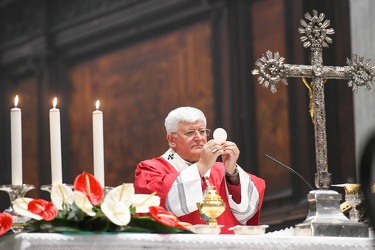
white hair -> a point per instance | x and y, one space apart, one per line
183 114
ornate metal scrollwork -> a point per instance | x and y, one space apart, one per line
361 72
271 70
315 35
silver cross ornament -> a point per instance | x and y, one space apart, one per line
358 72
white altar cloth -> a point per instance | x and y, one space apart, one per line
44 241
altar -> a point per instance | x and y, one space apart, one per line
278 240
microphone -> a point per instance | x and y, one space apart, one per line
290 169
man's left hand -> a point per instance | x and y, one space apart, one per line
230 156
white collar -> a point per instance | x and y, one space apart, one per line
177 162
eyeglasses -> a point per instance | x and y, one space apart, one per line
192 132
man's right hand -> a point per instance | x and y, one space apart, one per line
210 151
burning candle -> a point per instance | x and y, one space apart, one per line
98 139
16 144
55 139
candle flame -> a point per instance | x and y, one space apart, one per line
97 105
54 102
16 101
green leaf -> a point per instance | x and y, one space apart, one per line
75 214
132 210
101 224
154 226
95 224
55 225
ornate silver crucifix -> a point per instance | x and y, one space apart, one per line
359 72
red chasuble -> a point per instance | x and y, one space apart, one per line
158 175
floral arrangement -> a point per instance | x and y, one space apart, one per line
88 209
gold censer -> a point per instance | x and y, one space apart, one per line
212 206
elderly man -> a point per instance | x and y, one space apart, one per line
182 174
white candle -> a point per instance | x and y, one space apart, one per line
16 144
55 139
98 145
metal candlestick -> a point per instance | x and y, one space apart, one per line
15 192
48 188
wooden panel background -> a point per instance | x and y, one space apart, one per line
143 58
137 87
272 122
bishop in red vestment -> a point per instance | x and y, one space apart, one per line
183 173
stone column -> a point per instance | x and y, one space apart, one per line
362 26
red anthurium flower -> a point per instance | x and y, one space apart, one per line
5 223
43 208
165 217
87 184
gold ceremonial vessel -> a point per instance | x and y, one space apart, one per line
354 197
212 206
352 188
356 188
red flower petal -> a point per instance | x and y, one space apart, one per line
163 216
43 208
50 212
5 223
36 206
90 186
